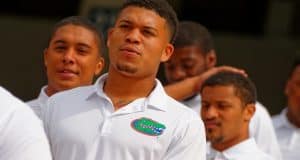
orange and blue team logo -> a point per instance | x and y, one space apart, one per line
148 126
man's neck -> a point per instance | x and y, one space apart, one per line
292 119
50 91
123 89
221 146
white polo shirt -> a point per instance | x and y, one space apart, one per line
36 104
82 125
260 127
288 136
22 136
245 150
194 103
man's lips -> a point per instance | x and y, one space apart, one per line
211 124
67 73
130 50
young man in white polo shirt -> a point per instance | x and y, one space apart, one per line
22 136
287 124
126 115
228 103
193 56
72 58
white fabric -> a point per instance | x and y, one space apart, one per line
82 125
288 136
36 104
194 103
245 150
21 133
260 127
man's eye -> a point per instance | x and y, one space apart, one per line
124 26
82 51
148 33
60 48
188 66
204 105
223 106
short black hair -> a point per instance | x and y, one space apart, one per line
83 22
244 87
162 8
194 34
296 63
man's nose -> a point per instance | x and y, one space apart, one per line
133 36
209 112
68 57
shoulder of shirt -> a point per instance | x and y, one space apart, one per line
261 112
261 108
32 102
276 119
9 103
79 92
181 109
260 155
264 156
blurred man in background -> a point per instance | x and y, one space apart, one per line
194 57
287 124
72 59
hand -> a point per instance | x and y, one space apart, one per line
204 76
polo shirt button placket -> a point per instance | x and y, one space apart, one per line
220 156
106 126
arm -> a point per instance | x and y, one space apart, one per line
192 85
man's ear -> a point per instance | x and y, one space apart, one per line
99 66
211 59
249 111
167 53
45 52
109 33
287 88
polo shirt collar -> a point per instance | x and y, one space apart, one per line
284 122
236 150
156 99
244 146
43 97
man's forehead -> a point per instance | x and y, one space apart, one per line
144 15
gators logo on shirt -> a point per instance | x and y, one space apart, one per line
148 126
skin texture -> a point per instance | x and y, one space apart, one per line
137 43
72 58
226 117
292 92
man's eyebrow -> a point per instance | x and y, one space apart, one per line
64 42
125 21
84 45
59 41
188 59
149 27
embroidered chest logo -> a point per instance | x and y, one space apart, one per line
148 126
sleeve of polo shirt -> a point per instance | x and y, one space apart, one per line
189 143
261 128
